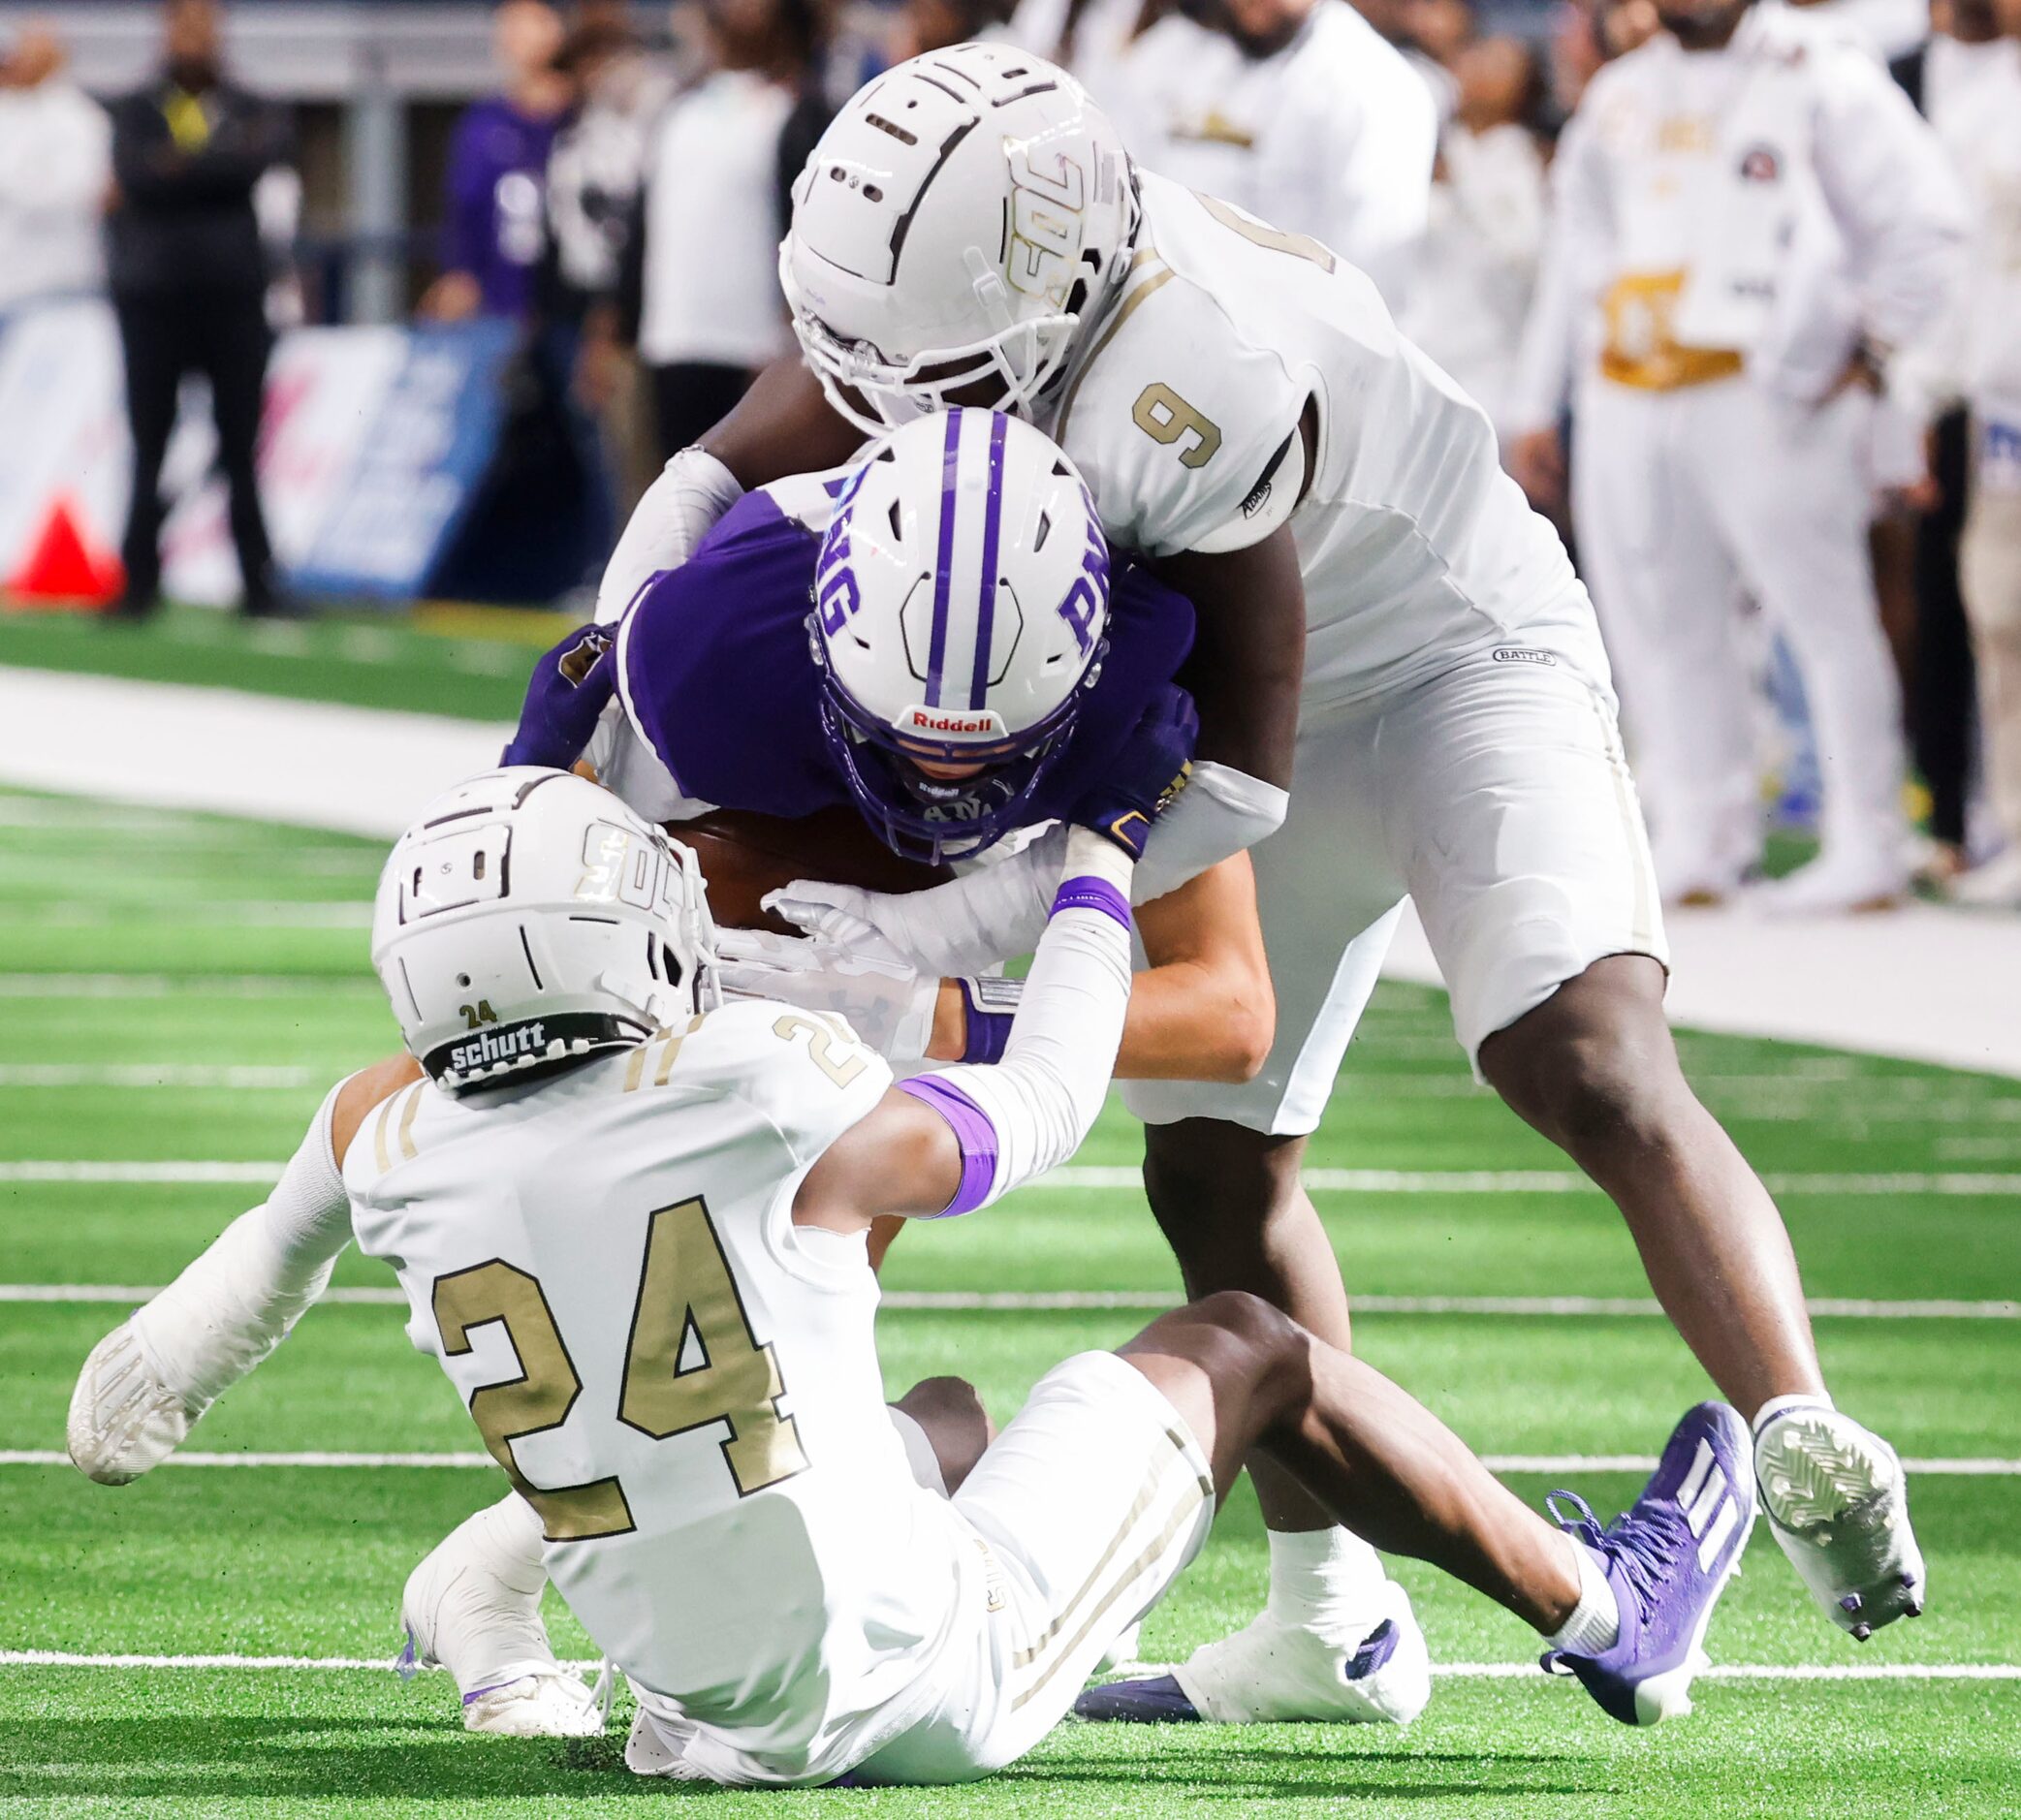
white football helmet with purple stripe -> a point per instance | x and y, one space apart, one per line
961 615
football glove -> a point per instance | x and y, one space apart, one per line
967 925
570 689
1146 775
851 970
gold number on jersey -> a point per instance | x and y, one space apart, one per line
538 1399
1261 233
1163 416
821 1040
686 1290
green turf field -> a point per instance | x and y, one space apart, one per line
151 1014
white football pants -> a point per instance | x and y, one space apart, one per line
1683 499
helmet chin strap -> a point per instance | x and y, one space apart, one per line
989 290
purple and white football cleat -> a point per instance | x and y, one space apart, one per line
1668 1559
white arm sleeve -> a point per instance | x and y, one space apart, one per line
693 490
1028 1112
235 1303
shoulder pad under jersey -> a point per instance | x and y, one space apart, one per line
1176 416
805 1073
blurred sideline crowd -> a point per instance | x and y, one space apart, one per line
1738 286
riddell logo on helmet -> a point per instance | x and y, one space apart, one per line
922 720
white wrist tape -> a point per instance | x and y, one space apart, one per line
674 514
1221 812
235 1303
1028 1112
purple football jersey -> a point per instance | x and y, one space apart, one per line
721 678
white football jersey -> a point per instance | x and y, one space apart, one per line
1414 542
684 1388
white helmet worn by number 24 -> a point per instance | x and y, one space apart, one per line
528 919
960 218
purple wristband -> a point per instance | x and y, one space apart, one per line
973 1132
986 1030
1088 893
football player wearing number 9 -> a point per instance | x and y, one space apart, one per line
1373 598
630 1221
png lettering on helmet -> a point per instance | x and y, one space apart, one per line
1046 224
836 596
1088 596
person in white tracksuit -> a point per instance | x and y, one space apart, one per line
1750 216
1295 111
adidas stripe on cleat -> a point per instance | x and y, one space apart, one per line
1667 1559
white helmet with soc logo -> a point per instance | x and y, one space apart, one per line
528 919
957 221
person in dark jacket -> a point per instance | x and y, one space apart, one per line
188 282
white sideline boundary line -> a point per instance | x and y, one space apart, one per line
1447 1670
1040 1301
1937 1468
1460 1182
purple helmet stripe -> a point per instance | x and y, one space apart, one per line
993 526
943 568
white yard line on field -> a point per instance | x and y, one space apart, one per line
1059 1300
1470 1181
1448 1671
1374 1182
1567 1463
136 1174
185 984
157 1075
258 914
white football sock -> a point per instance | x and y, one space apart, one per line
507 1534
1328 1581
1776 1406
230 1307
1594 1625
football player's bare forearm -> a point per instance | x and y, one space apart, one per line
1249 654
1187 1021
1203 1010
782 425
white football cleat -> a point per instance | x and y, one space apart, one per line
1994 886
1271 1670
1836 884
1837 1501
124 1421
462 1613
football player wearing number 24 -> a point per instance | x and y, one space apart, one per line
1380 615
638 1250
